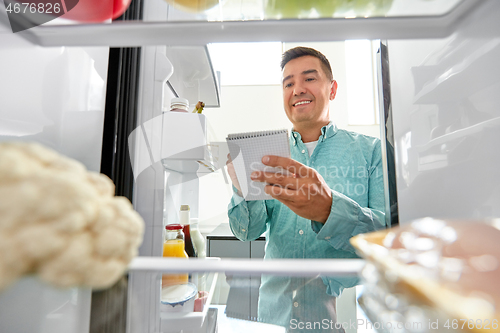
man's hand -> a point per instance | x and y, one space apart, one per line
232 174
303 189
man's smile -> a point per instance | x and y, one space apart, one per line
301 103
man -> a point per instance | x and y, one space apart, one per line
333 192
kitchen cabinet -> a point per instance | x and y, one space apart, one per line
222 243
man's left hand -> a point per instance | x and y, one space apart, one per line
302 189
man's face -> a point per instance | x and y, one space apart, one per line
307 92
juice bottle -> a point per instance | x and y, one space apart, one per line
173 246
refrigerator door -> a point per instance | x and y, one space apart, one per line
444 83
446 121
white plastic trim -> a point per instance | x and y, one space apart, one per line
283 267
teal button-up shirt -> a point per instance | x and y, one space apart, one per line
351 165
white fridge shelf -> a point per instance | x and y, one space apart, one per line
137 33
283 267
170 322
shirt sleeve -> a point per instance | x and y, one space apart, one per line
247 219
347 218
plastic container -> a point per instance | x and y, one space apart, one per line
185 222
34 306
178 298
173 246
179 104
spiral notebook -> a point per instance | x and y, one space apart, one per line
247 150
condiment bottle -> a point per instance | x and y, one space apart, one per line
198 239
173 246
184 219
199 245
179 104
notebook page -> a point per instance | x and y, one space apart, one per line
247 150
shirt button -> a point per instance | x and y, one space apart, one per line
296 304
303 151
295 134
301 232
243 230
328 237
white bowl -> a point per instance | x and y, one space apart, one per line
178 298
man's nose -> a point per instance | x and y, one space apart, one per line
298 89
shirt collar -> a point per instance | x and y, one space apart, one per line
327 131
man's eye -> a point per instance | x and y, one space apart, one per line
310 79
288 85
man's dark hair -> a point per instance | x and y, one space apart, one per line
301 51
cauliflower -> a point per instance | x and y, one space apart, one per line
60 221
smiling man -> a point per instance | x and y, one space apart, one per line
334 191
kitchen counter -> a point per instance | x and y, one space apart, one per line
223 231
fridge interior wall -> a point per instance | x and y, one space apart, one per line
54 96
446 114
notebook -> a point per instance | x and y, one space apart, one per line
247 150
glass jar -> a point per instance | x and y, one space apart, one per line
179 104
173 246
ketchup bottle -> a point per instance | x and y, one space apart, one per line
184 219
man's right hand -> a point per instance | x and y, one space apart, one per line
232 174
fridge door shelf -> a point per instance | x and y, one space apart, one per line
191 152
175 322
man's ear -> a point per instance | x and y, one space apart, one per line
333 91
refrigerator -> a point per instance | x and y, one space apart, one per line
99 92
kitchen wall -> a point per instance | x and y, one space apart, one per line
247 108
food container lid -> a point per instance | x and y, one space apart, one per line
173 226
178 294
179 100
